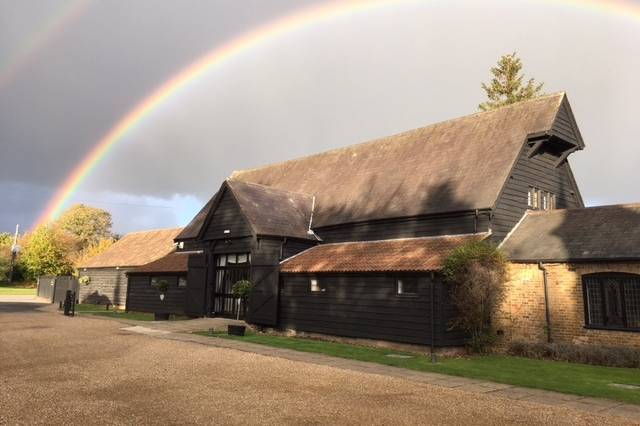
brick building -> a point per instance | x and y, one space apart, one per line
590 260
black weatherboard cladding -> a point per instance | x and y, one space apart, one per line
367 306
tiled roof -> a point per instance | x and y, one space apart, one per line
455 165
136 249
407 254
272 211
173 262
592 233
193 228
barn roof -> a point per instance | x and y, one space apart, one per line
272 211
399 255
136 249
193 228
172 263
455 165
593 233
268 211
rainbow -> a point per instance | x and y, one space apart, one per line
50 29
250 40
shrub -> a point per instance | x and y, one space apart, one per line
608 356
476 272
162 286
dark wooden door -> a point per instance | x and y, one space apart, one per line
195 296
230 268
263 303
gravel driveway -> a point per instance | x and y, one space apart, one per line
59 370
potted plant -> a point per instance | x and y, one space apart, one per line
241 290
163 287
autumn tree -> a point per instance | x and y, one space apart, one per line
506 86
48 250
89 225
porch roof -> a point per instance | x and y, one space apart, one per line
399 255
172 263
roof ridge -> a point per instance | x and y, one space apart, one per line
273 188
560 94
429 237
558 211
152 230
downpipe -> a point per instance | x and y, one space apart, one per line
547 312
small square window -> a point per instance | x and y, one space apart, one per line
407 286
154 281
182 281
315 286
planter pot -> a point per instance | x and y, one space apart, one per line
160 317
236 330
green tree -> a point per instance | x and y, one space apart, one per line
48 251
89 224
6 241
5 262
506 86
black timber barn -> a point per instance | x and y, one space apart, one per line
350 242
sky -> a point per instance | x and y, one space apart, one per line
70 70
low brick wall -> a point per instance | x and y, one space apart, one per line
107 285
522 316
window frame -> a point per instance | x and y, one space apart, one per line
320 288
182 278
538 199
601 276
399 279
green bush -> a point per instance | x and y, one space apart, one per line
608 356
242 289
162 286
476 273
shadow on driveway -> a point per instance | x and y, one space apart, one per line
22 304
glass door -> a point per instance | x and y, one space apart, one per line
230 268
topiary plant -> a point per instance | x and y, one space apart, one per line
162 286
242 289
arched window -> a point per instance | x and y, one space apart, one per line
612 301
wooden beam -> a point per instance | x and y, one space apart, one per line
536 147
564 156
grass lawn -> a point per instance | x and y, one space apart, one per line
577 379
6 290
86 308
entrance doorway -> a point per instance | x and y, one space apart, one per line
230 268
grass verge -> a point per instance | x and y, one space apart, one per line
100 310
576 379
17 291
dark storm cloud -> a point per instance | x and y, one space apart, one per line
328 85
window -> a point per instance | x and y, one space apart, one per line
315 286
612 301
182 281
233 259
407 286
532 198
540 200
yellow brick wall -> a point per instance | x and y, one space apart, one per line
522 315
